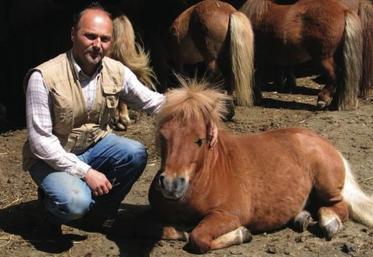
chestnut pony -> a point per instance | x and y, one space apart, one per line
125 49
327 32
247 182
215 33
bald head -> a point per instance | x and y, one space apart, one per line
93 6
91 37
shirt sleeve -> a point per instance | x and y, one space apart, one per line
138 96
44 145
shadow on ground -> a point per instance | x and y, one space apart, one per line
28 221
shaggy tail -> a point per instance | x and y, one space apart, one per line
360 205
366 17
125 49
348 88
242 58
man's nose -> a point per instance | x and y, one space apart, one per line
97 42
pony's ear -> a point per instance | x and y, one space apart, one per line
211 133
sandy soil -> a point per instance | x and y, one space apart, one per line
350 131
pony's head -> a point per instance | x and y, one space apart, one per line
182 133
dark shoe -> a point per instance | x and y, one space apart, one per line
117 228
47 229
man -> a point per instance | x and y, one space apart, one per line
70 153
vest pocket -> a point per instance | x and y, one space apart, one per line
111 104
62 113
80 139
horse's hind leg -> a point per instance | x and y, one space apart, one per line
325 97
331 218
285 79
333 210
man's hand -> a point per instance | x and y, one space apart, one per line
98 182
212 134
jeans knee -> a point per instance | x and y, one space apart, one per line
140 157
71 209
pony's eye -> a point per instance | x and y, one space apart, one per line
199 142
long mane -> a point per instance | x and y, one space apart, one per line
255 10
192 101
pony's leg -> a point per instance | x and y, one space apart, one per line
290 78
123 120
171 233
213 226
325 96
235 237
302 221
333 209
258 75
331 218
285 79
280 79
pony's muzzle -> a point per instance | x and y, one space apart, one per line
172 187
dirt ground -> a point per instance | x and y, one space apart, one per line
350 131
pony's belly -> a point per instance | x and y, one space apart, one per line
274 220
276 210
188 53
286 57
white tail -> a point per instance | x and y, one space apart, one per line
242 58
360 205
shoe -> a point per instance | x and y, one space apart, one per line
48 229
123 226
112 227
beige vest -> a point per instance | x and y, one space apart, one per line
75 127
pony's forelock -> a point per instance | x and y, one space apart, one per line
193 100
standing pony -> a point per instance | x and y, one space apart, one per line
326 32
215 33
247 182
125 49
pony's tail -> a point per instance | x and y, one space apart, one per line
360 205
348 88
366 17
125 49
242 58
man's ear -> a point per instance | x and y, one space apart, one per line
72 34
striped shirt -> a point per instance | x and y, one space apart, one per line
45 145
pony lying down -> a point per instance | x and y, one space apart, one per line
247 182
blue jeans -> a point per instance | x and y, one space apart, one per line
68 197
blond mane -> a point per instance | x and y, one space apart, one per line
127 50
192 101
255 10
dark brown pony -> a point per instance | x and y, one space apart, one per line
215 33
323 31
247 182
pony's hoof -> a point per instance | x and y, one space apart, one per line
332 228
302 221
321 104
119 127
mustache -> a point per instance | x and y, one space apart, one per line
95 50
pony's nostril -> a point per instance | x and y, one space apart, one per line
180 183
161 179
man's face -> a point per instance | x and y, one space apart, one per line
91 39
